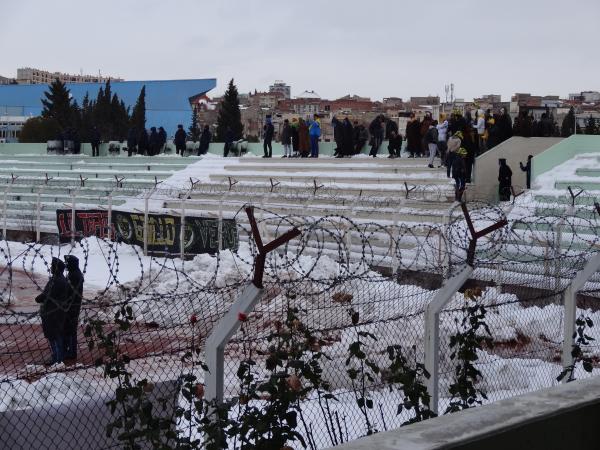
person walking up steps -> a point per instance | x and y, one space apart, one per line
180 136
431 139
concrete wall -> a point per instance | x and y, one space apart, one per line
558 418
325 148
563 151
514 150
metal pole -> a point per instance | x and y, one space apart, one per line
570 302
145 233
4 208
432 331
220 335
73 212
109 217
182 232
37 228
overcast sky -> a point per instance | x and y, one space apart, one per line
335 47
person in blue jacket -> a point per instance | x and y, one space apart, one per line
314 131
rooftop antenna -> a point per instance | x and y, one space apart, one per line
452 93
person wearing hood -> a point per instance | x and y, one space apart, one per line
53 300
431 139
338 136
295 136
395 145
454 143
286 139
481 135
154 142
269 130
459 172
527 169
303 138
204 141
73 306
162 138
347 137
143 144
376 130
442 144
314 131
180 137
504 180
413 136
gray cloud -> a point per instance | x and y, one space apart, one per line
372 48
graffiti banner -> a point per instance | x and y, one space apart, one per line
201 234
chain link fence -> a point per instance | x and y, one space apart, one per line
331 351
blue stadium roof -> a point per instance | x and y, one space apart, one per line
167 101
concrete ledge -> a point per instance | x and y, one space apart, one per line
560 418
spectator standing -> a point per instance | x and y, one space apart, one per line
504 180
459 173
314 131
376 130
338 136
295 137
425 123
180 136
394 145
74 298
228 142
269 131
431 139
95 141
347 137
52 310
153 142
480 127
143 142
468 143
205 139
286 139
162 136
505 126
442 129
132 135
303 138
413 136
527 169
361 136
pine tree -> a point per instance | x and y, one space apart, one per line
87 108
568 123
138 116
229 114
194 130
57 104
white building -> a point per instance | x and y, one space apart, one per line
281 88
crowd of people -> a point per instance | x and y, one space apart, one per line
60 305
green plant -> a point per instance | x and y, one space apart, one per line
416 399
360 369
582 339
472 334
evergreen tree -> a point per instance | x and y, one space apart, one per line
194 130
138 116
568 124
229 114
590 126
86 118
57 104
39 129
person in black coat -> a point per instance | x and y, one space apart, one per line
153 142
295 137
527 169
338 136
413 136
390 126
143 143
228 141
269 131
347 137
95 141
132 136
53 301
376 130
162 138
73 306
204 141
180 137
395 145
505 181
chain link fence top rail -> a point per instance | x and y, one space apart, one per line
346 281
